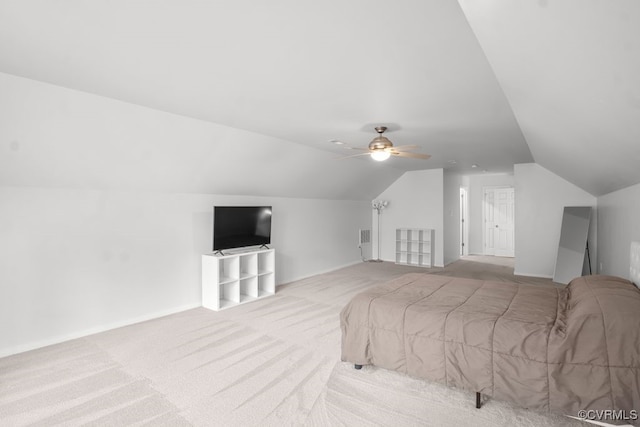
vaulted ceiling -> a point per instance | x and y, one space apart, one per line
489 83
571 72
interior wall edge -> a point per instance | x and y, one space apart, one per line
322 271
525 274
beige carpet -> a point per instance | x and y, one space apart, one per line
377 397
271 362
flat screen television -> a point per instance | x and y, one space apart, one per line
241 226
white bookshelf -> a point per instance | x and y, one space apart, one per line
237 278
414 246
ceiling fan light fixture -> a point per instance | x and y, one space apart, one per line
380 149
380 155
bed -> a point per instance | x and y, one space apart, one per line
539 347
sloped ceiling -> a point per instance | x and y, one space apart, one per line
307 73
571 72
56 137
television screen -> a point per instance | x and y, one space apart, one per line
239 226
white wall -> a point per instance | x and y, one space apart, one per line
415 201
618 226
105 208
541 197
73 262
476 185
451 225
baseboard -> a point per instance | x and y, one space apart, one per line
328 270
393 261
541 276
80 334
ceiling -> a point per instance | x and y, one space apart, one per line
486 83
571 72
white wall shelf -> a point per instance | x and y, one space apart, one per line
229 280
414 246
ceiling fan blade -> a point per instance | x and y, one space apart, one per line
403 148
410 155
353 155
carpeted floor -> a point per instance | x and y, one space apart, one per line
271 362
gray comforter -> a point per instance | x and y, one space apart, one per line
539 347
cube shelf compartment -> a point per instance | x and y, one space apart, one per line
229 280
414 246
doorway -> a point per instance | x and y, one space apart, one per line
498 218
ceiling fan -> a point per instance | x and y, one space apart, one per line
380 148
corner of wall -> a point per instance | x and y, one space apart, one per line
541 197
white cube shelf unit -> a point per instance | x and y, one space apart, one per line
229 280
414 246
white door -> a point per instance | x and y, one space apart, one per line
499 213
489 221
464 230
504 216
